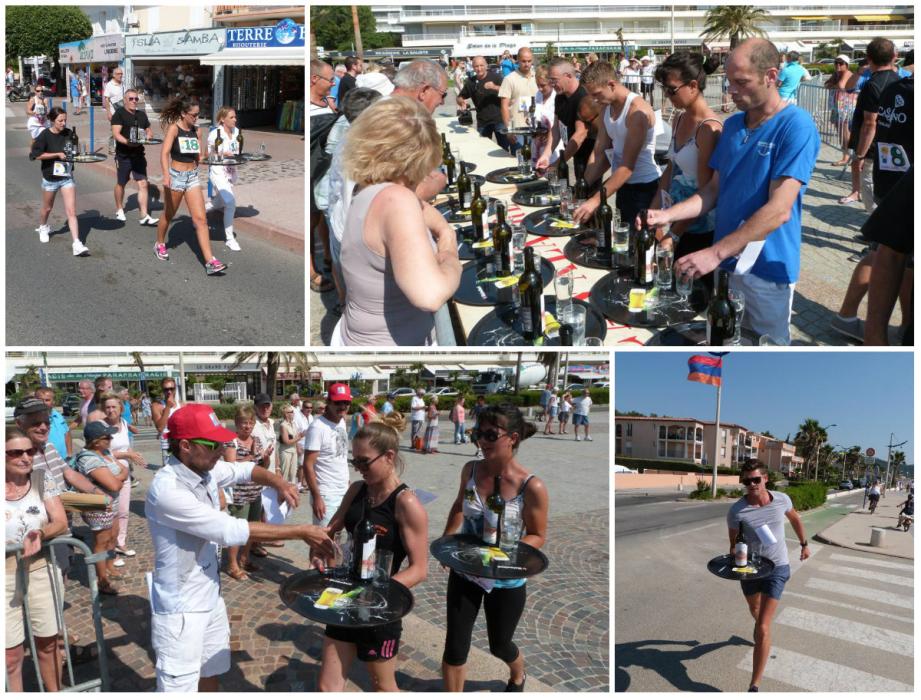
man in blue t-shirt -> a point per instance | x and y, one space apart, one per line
762 164
790 77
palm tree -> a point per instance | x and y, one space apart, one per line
273 361
734 21
810 437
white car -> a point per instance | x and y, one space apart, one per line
402 391
601 385
622 468
443 391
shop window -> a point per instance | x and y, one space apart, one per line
162 80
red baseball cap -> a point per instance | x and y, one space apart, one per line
197 420
339 392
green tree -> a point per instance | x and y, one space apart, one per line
273 361
36 30
809 439
29 380
331 28
734 21
217 382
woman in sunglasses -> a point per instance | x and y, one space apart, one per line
37 109
402 528
499 433
98 464
34 514
179 157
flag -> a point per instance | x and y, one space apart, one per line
706 370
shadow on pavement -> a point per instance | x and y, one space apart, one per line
668 664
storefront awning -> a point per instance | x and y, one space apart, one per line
344 374
877 18
268 56
810 18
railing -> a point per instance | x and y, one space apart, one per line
235 390
819 101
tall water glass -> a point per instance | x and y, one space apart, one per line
665 257
621 239
563 284
737 299
566 202
519 235
511 529
574 315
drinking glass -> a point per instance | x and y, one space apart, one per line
518 244
553 178
383 563
684 285
563 284
737 299
566 202
665 257
511 530
621 239
343 549
593 342
262 149
574 315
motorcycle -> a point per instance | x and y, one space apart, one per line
17 93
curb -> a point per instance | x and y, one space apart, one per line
824 539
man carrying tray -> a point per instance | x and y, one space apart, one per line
130 125
761 513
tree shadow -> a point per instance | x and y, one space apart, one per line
668 664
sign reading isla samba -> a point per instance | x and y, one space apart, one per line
192 42
284 34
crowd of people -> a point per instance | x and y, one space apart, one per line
183 150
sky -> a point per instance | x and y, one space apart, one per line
867 394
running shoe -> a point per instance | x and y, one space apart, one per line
214 266
119 562
79 249
232 244
160 251
44 231
120 215
148 221
125 552
589 438
851 327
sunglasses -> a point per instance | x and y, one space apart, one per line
17 453
169 388
752 480
207 444
443 94
488 435
132 99
672 91
362 463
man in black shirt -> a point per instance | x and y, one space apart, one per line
568 128
130 125
483 90
353 68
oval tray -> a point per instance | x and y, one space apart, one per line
223 162
510 176
536 194
538 223
88 158
474 180
607 293
694 333
449 210
255 156
722 566
461 553
473 294
581 250
502 325
149 142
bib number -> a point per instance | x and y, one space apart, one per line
893 158
188 145
60 169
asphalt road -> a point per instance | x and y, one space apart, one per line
122 294
844 622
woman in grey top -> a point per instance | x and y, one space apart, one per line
399 255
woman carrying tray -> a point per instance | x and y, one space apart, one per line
224 141
402 528
500 431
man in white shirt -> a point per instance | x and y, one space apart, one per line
113 97
580 408
326 455
417 415
301 422
265 427
190 632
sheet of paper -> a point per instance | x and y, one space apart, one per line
765 535
275 512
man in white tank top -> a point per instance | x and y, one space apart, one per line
627 142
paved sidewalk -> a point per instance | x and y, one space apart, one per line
853 531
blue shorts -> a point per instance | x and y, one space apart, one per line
579 419
55 185
772 586
183 180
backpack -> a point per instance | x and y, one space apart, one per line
320 160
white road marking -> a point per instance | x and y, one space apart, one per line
675 510
868 575
808 673
848 630
684 532
873 594
855 608
867 561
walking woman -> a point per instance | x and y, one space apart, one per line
565 412
458 417
37 109
50 147
179 157
287 446
553 410
499 434
34 514
224 177
432 431
843 102
402 528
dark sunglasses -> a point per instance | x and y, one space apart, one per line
169 388
17 453
752 480
488 435
672 91
207 444
132 99
363 463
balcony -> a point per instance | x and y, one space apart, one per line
230 14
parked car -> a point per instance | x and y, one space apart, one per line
623 469
70 405
601 385
443 391
575 388
845 486
402 391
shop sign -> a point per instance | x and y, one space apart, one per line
286 33
489 46
114 376
96 49
193 42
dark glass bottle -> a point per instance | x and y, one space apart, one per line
721 315
741 547
566 335
526 152
239 141
464 195
605 230
450 165
479 214
644 253
364 540
492 519
562 171
502 243
530 290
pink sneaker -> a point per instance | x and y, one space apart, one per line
160 251
214 266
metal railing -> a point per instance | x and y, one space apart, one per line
22 576
819 101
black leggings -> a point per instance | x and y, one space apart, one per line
503 610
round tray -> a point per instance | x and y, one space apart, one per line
581 250
255 157
462 554
449 210
148 142
377 604
610 289
470 167
694 333
510 176
465 249
722 566
473 294
474 180
535 195
540 223
502 325
88 158
524 131
223 162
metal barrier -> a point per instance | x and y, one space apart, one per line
819 101
22 574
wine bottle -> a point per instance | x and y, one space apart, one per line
531 109
239 142
450 165
76 140
721 315
530 290
492 516
526 153
562 171
741 548
605 230
463 188
581 187
502 243
479 215
218 142
566 335
644 253
364 540
444 146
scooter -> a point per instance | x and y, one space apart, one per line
17 93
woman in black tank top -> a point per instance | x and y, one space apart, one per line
402 528
179 159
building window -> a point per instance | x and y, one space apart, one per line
629 429
699 435
675 432
617 429
661 432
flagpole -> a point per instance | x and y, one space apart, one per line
716 439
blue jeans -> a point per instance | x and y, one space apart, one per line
460 429
487 131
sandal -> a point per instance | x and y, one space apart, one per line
842 163
850 199
108 590
249 566
320 284
238 574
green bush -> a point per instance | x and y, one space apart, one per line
806 496
679 465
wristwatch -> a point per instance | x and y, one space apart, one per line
803 544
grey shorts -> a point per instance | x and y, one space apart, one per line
183 180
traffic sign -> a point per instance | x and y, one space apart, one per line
871 452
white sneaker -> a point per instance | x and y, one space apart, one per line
43 233
148 221
232 244
79 249
589 438
209 206
120 215
578 439
119 562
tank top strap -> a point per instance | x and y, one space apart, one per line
524 485
708 119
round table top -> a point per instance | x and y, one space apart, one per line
360 605
223 162
610 295
502 325
510 176
536 194
694 333
548 222
453 215
87 158
581 249
724 567
474 293
255 156
153 141
474 180
466 554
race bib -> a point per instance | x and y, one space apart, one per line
188 144
893 158
524 104
60 169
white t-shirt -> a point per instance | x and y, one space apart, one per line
121 441
267 436
582 405
417 406
116 95
331 440
28 513
302 422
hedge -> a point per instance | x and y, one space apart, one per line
807 496
640 464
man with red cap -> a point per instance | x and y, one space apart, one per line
190 632
326 455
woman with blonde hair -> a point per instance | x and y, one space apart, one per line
224 177
287 446
399 255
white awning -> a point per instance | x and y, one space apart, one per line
344 374
288 56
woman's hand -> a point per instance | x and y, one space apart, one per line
137 458
32 543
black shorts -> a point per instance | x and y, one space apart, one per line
130 166
372 643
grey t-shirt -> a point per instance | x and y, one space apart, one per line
754 517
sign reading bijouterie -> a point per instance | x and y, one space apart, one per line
193 42
97 49
284 34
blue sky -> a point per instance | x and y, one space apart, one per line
868 394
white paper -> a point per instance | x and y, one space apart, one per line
275 512
765 535
749 254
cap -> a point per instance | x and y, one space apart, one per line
842 57
262 399
97 429
339 392
28 406
197 420
375 81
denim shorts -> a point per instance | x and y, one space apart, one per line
579 419
772 586
183 180
54 186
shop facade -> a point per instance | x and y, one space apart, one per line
95 58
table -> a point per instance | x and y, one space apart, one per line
694 333
502 325
724 564
474 180
610 295
369 605
465 554
449 210
474 294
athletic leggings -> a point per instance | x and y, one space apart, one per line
503 610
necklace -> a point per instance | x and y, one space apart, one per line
14 492
749 130
378 498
